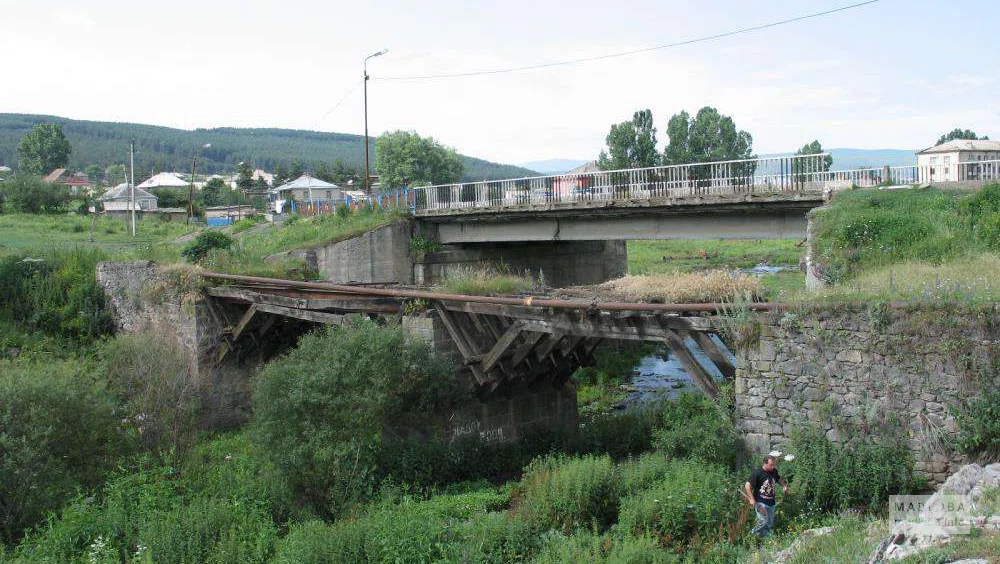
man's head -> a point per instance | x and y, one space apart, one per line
770 461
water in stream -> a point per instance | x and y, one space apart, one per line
661 376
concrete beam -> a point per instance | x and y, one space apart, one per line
780 224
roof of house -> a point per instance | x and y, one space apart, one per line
121 192
963 145
164 180
54 175
585 168
303 182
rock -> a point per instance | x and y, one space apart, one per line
910 538
961 482
788 553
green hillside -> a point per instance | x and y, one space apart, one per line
164 148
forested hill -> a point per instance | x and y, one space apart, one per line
167 149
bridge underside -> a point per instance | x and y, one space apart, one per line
501 348
762 224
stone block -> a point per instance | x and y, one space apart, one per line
850 355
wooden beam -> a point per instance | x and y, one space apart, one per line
678 322
469 355
525 349
501 346
307 300
244 321
304 314
548 345
698 375
650 331
718 356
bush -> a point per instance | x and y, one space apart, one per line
640 473
566 493
159 393
588 547
828 477
205 242
694 426
320 412
693 500
979 426
56 291
494 538
315 542
29 194
57 435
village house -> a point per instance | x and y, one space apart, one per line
961 159
76 182
305 189
117 200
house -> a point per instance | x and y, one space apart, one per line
118 200
164 180
76 182
960 159
305 189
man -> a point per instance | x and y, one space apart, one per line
760 493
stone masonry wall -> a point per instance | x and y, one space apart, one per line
145 297
867 371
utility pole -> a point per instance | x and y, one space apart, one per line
131 185
367 169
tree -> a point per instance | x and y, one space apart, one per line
244 176
959 133
631 144
403 157
813 148
213 193
280 174
115 174
43 150
709 137
94 173
28 194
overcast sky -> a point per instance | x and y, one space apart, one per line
894 74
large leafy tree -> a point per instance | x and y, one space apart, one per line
959 133
405 157
214 193
710 136
244 176
814 148
43 149
631 144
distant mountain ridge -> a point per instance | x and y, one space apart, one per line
161 148
554 166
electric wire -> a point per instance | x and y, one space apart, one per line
632 52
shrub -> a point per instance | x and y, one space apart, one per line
494 538
205 242
979 426
619 435
693 499
829 477
159 392
56 291
589 547
638 474
320 411
57 434
315 542
29 194
564 493
694 426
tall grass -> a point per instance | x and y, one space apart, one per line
867 230
486 279
710 286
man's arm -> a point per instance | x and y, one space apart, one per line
749 493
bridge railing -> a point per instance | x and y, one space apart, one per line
747 176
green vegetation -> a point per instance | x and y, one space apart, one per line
405 158
979 425
20 233
486 280
205 242
161 149
44 149
925 244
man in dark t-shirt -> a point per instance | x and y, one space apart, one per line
760 493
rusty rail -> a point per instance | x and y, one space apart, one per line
526 302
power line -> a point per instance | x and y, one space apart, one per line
633 52
342 100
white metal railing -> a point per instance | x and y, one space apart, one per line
746 176
750 176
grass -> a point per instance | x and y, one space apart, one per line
23 232
259 252
867 230
710 286
486 280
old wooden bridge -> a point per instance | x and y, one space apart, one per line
503 342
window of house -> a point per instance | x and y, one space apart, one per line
933 160
947 159
329 195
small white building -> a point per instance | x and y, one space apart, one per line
306 189
164 180
119 198
960 159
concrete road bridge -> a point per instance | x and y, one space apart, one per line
753 198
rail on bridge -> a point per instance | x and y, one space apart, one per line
801 174
503 342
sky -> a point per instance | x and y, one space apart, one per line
892 74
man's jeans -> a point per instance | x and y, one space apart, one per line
765 519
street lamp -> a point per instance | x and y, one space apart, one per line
194 159
367 169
